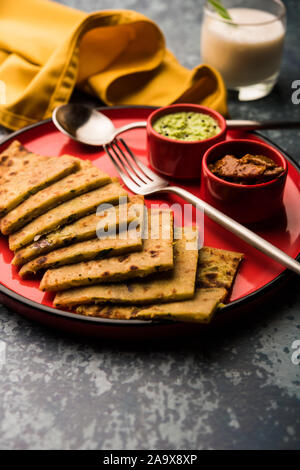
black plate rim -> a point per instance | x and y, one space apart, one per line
239 303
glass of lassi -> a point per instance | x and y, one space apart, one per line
247 49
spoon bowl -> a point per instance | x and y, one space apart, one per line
87 125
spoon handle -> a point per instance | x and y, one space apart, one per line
128 127
231 124
256 125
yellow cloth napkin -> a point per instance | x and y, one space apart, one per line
118 55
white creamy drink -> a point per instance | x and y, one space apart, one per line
246 53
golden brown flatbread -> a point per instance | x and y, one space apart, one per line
23 173
217 268
156 256
199 309
173 285
112 220
16 158
66 213
113 245
80 182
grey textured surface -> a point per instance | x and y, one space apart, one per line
234 388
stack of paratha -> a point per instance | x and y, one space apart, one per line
98 248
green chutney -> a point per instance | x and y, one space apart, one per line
187 126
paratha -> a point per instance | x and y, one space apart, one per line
111 220
174 285
17 158
217 268
66 213
200 308
25 174
113 245
156 256
80 182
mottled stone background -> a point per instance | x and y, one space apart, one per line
234 388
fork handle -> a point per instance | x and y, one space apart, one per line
237 229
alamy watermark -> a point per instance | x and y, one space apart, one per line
296 354
2 92
129 220
296 93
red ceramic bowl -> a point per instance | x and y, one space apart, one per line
177 158
245 203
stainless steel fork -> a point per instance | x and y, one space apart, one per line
141 180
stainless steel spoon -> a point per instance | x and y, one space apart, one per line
87 125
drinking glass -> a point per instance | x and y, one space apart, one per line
246 50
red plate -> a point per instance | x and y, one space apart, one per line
258 274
